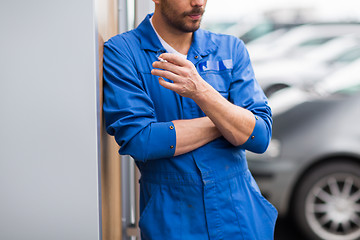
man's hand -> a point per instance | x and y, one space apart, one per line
234 123
186 81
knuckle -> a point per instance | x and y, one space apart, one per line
187 72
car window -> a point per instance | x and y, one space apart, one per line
307 46
257 31
345 79
315 41
350 90
349 56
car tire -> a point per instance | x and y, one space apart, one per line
327 201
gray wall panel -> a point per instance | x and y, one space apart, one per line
49 134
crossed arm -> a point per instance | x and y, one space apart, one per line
223 118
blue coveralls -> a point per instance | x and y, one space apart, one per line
208 193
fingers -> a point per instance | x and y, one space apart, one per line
180 71
167 66
172 63
174 59
168 85
172 67
166 74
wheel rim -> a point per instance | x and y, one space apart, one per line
333 207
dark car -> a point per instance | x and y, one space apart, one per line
311 170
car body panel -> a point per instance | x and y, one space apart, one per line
313 131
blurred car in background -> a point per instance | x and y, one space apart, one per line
311 170
298 40
251 32
310 67
253 26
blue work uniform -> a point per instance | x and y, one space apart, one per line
207 193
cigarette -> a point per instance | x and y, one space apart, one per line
161 60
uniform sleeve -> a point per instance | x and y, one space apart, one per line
246 92
129 112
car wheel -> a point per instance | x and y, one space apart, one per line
327 202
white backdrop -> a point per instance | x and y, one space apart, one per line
227 10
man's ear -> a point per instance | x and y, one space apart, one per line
156 1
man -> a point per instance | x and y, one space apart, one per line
183 102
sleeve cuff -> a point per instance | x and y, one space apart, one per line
163 140
259 138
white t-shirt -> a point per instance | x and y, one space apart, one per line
167 47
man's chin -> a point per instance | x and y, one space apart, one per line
192 28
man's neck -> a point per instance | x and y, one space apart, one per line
177 39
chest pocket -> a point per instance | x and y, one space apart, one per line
219 80
217 74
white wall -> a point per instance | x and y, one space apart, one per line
142 8
48 121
